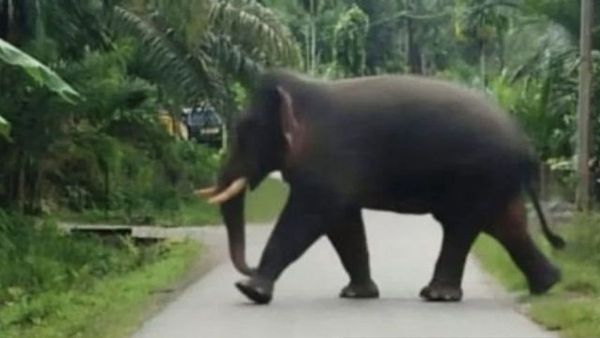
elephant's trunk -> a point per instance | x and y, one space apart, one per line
233 216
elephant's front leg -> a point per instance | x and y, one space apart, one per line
301 223
348 237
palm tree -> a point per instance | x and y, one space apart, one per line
585 92
190 44
190 50
485 23
226 39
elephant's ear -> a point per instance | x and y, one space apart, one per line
292 128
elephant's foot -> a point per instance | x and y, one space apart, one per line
438 292
259 290
544 282
360 291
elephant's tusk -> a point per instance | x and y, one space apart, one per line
234 188
207 192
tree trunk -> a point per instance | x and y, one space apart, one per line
20 191
313 46
313 37
106 190
16 17
482 64
544 182
413 52
307 48
584 108
36 190
502 52
4 20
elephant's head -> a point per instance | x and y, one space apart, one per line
267 137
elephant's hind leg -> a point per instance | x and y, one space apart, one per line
447 278
511 231
348 237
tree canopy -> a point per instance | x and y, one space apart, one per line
128 59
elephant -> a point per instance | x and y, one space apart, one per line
399 143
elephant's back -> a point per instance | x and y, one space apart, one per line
435 114
394 98
417 134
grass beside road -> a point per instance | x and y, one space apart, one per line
56 286
573 306
112 307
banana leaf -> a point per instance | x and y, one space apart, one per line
36 70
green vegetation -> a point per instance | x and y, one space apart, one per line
52 285
266 201
82 83
107 151
81 87
350 41
39 72
263 205
128 60
573 306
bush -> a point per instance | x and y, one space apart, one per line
159 183
143 181
37 257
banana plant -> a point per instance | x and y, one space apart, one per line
38 72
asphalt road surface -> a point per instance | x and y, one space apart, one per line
403 252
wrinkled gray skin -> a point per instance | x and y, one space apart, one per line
397 143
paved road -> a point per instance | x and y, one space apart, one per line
403 251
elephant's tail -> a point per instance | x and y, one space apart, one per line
555 240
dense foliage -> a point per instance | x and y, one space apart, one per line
350 40
82 83
54 286
37 258
133 58
107 149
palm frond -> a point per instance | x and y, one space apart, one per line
181 71
247 21
231 57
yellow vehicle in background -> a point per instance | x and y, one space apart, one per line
200 124
174 127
